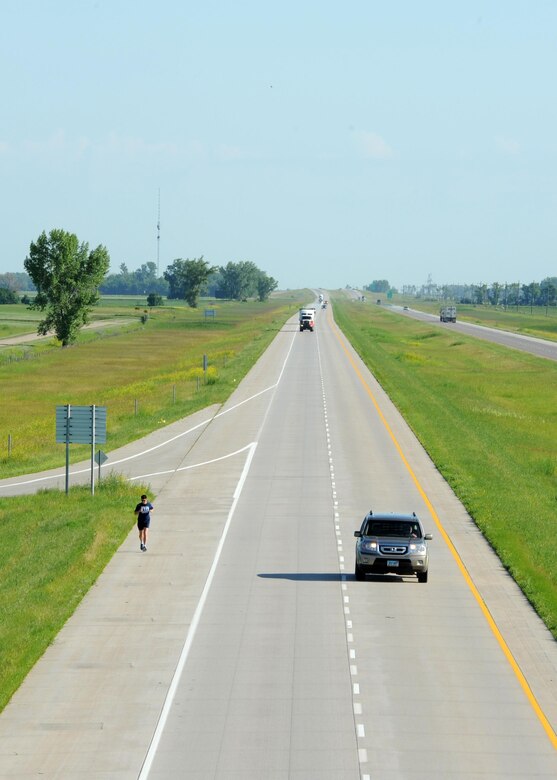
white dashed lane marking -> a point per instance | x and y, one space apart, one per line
357 706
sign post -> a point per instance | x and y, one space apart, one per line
80 425
100 458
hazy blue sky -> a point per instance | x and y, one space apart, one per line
330 143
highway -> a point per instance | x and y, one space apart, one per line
241 646
539 347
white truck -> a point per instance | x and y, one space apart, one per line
307 319
448 314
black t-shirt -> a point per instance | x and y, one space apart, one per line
144 510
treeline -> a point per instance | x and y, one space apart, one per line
182 280
188 279
17 281
542 293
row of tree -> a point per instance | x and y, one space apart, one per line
542 293
189 279
67 278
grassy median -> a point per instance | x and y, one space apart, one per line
487 417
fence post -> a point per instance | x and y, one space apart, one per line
9 444
135 407
173 394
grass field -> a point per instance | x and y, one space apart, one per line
16 318
488 418
145 375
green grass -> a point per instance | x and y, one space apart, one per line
155 369
16 319
55 547
487 417
531 321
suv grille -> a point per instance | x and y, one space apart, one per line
389 549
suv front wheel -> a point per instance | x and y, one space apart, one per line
422 576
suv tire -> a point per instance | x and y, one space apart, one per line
422 576
358 573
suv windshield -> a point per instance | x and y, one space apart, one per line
394 528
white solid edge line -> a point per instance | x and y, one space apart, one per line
163 443
149 758
193 465
143 452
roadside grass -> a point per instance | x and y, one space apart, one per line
487 417
55 547
537 321
146 375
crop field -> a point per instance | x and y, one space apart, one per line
487 416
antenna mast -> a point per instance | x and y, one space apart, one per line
159 233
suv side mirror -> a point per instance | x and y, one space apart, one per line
428 537
357 533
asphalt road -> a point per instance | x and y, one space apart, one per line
240 645
538 347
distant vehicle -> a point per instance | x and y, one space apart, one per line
405 308
392 544
378 301
307 319
448 314
320 297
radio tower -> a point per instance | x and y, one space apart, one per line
158 233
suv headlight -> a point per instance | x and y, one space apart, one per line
368 546
418 547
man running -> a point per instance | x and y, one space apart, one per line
143 511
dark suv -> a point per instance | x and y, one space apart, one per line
392 544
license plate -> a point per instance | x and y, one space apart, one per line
392 563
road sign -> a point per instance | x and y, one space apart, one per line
78 425
100 457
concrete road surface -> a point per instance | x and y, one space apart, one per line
240 645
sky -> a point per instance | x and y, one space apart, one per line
329 143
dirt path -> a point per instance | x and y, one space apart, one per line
25 338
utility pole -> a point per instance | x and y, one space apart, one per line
158 234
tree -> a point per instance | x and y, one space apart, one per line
549 291
238 280
187 278
8 296
67 277
379 285
135 282
153 299
265 285
16 281
495 293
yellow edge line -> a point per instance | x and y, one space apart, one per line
505 648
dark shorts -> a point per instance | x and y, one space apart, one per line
143 522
